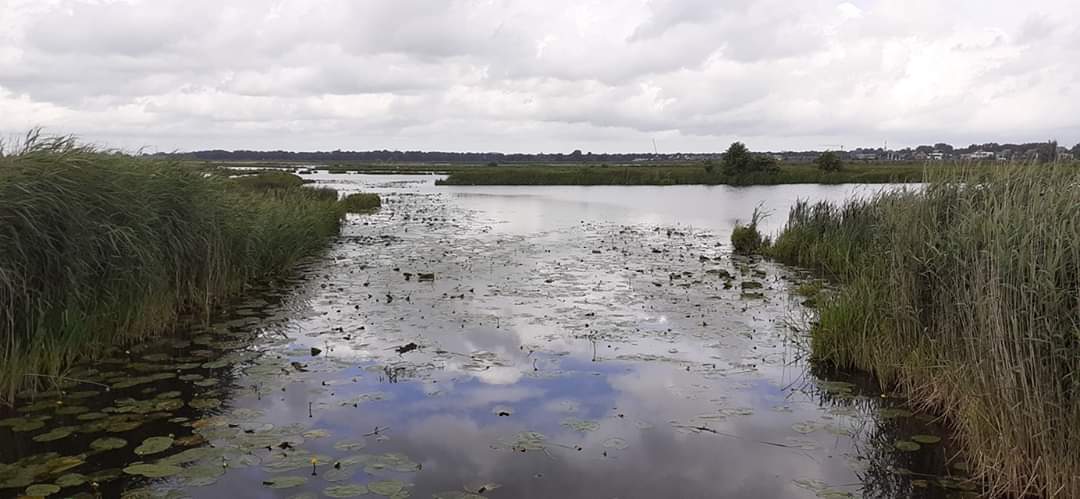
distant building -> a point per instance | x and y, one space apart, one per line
921 156
1004 155
937 156
980 155
1063 154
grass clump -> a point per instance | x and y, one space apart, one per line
361 202
965 295
747 239
98 248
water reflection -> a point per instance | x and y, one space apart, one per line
576 342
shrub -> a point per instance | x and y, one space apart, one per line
746 239
361 202
829 162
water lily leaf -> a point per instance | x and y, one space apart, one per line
386 487
28 425
339 473
285 482
42 490
91 416
580 424
805 427
205 403
154 445
345 491
153 470
61 464
55 434
203 475
70 410
348 446
456 494
313 434
926 439
108 443
615 443
907 446
71 480
480 488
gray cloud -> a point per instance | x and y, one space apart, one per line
517 75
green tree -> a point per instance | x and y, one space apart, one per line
739 160
709 165
829 162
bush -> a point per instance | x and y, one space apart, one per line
746 239
361 202
829 162
738 160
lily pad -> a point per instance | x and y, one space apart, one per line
906 446
926 439
386 487
153 470
615 443
205 403
42 490
347 446
285 482
894 412
154 445
71 480
805 427
580 424
55 434
108 443
345 490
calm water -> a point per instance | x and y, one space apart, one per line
572 342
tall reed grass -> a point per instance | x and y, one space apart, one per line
965 295
98 248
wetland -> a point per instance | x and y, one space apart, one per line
465 342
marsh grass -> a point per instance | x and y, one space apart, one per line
361 202
98 248
965 295
746 239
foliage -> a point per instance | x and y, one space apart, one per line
738 160
747 239
964 296
829 162
97 247
361 202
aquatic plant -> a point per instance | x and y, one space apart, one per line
747 239
361 202
965 296
98 248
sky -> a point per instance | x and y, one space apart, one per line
540 76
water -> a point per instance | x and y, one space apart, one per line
574 342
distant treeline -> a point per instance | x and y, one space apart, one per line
1045 151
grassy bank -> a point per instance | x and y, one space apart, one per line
99 248
966 297
679 175
361 202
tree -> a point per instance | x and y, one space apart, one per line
709 165
1076 150
829 162
739 160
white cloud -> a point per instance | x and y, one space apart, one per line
517 75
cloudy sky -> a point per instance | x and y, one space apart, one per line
540 75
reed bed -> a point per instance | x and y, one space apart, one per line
99 248
965 296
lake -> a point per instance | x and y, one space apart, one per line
499 342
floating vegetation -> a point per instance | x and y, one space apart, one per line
906 445
154 445
926 439
345 490
387 488
153 470
580 425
